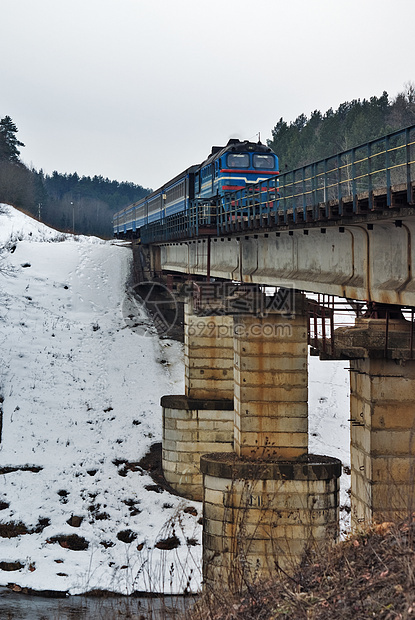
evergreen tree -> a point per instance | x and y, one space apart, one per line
8 142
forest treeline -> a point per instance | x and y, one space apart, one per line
86 205
309 139
67 202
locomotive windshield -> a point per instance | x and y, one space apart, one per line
264 162
238 160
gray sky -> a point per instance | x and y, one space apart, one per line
138 90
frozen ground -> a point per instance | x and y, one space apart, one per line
80 397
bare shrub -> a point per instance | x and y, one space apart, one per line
369 575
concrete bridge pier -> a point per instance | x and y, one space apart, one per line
269 501
271 391
382 415
382 396
201 420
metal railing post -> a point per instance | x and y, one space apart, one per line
408 166
388 173
369 176
354 191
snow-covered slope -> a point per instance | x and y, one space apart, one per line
81 397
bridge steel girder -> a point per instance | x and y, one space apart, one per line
367 262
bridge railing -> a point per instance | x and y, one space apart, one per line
358 179
198 218
255 203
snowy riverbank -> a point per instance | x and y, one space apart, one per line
81 396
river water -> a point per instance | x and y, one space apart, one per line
17 606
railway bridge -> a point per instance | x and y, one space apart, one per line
270 269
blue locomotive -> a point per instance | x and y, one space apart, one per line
190 202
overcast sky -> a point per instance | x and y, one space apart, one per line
138 90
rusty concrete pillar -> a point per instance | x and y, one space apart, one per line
382 414
201 420
260 518
192 427
382 404
271 419
208 351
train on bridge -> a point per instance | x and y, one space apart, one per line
239 188
194 194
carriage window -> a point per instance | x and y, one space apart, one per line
264 161
238 160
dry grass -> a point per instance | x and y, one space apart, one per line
370 575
